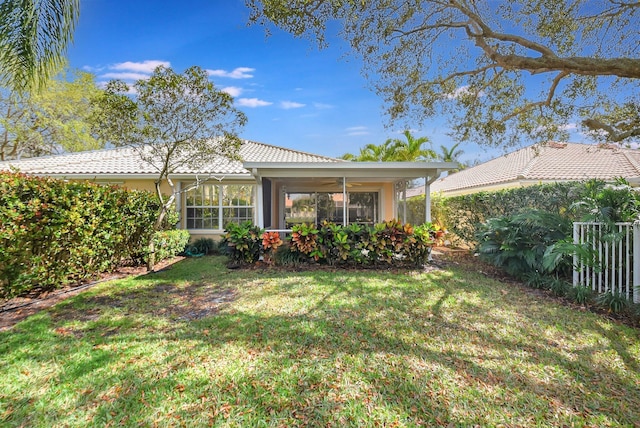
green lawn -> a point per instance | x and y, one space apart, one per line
199 345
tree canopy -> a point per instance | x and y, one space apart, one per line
172 120
52 120
502 72
34 35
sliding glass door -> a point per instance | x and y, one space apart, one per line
319 206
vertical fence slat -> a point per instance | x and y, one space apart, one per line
577 270
628 282
616 264
636 262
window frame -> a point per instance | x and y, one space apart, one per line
219 207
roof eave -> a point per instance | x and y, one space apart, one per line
350 169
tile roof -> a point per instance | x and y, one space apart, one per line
125 161
549 162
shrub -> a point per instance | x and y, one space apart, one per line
387 243
462 215
201 247
169 243
304 238
613 301
518 243
558 286
242 242
53 232
285 256
580 294
271 241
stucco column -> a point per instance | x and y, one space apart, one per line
427 200
259 201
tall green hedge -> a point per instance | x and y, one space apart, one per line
462 214
54 232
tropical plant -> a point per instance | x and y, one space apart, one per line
614 302
518 243
372 153
242 242
285 255
395 150
410 150
558 286
202 247
580 294
33 39
270 243
608 202
304 239
450 154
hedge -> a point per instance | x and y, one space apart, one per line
461 215
54 232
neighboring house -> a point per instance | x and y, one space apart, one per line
548 163
274 187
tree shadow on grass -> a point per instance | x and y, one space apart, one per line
415 350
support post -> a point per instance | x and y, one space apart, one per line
636 262
344 201
259 200
575 255
404 202
427 200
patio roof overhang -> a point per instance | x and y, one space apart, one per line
383 171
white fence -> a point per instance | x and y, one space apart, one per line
615 258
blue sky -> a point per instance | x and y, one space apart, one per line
293 94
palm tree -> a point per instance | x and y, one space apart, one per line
410 150
451 154
34 35
372 153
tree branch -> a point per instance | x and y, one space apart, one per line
613 134
545 103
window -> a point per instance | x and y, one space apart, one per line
212 206
317 207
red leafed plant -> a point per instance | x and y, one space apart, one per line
270 243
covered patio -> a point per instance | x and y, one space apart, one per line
343 192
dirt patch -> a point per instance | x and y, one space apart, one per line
15 310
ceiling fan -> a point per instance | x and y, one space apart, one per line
338 182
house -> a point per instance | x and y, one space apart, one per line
272 186
548 163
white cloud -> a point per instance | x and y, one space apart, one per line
234 91
568 127
252 102
357 130
91 69
321 106
460 92
237 73
291 104
140 67
125 76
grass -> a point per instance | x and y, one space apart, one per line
199 345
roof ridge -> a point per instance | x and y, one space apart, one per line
536 149
294 150
633 162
